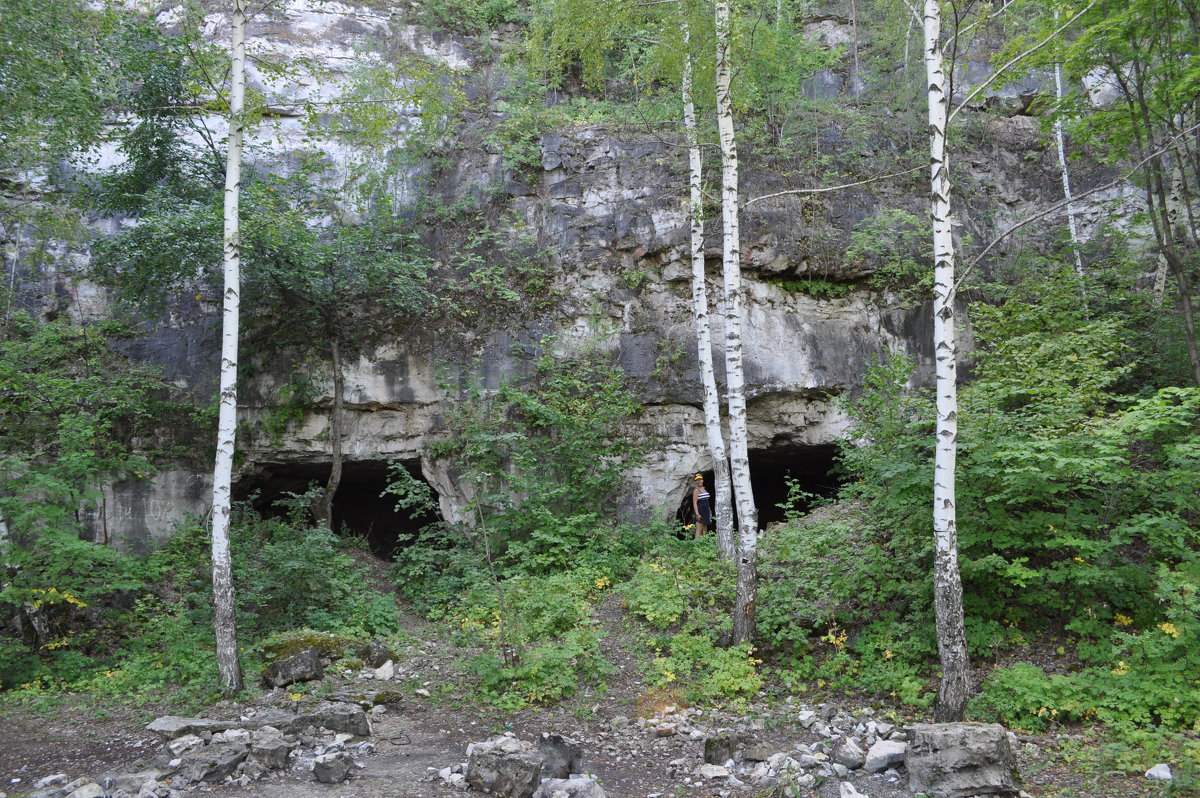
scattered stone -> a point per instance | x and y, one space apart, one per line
712 772
848 790
270 748
504 767
50 781
560 757
213 762
665 730
170 727
957 760
883 755
1160 772
849 754
185 743
569 788
759 752
721 747
421 691
89 790
619 722
806 718
303 666
332 768
375 655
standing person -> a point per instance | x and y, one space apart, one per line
701 506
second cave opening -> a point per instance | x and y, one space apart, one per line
812 469
361 506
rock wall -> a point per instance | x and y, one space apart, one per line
610 206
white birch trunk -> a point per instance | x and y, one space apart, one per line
1066 181
704 358
747 580
223 597
947 586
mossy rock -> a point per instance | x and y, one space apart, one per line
286 644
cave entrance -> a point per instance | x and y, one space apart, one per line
360 507
811 467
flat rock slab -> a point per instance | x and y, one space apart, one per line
347 718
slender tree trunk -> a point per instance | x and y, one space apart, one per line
1059 139
747 580
704 358
947 586
224 623
337 413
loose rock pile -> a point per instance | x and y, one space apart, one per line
203 751
852 757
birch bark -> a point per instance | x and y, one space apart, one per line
704 357
739 459
224 625
1059 139
952 649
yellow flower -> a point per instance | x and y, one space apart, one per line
1169 628
1121 669
668 676
295 696
602 582
887 653
1122 620
1079 559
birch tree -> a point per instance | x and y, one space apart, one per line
955 685
704 356
224 623
739 459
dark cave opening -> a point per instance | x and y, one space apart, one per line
812 468
360 507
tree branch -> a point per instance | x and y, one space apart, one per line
1017 58
826 189
1058 206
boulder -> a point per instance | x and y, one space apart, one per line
213 762
506 768
722 747
332 768
303 666
376 654
569 788
560 757
884 754
269 748
348 718
849 754
957 760
1160 772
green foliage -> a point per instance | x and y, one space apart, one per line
685 592
540 638
160 78
133 626
56 67
70 410
813 286
704 672
470 17
682 586
897 248
544 458
1076 511
1143 676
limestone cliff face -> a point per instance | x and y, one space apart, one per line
609 206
